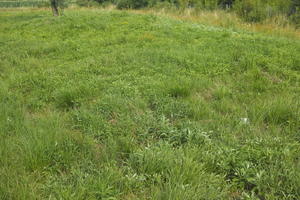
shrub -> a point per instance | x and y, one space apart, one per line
259 10
294 12
134 4
250 10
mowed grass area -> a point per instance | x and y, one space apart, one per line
114 105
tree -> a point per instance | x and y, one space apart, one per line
295 6
57 5
226 3
54 6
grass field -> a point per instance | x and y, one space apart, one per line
115 105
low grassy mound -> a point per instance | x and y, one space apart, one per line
112 105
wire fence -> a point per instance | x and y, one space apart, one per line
26 3
15 4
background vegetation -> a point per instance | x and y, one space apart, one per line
282 11
110 105
249 10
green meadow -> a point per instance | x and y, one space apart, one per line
100 104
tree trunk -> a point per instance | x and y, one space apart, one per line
54 6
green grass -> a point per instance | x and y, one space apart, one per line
113 105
